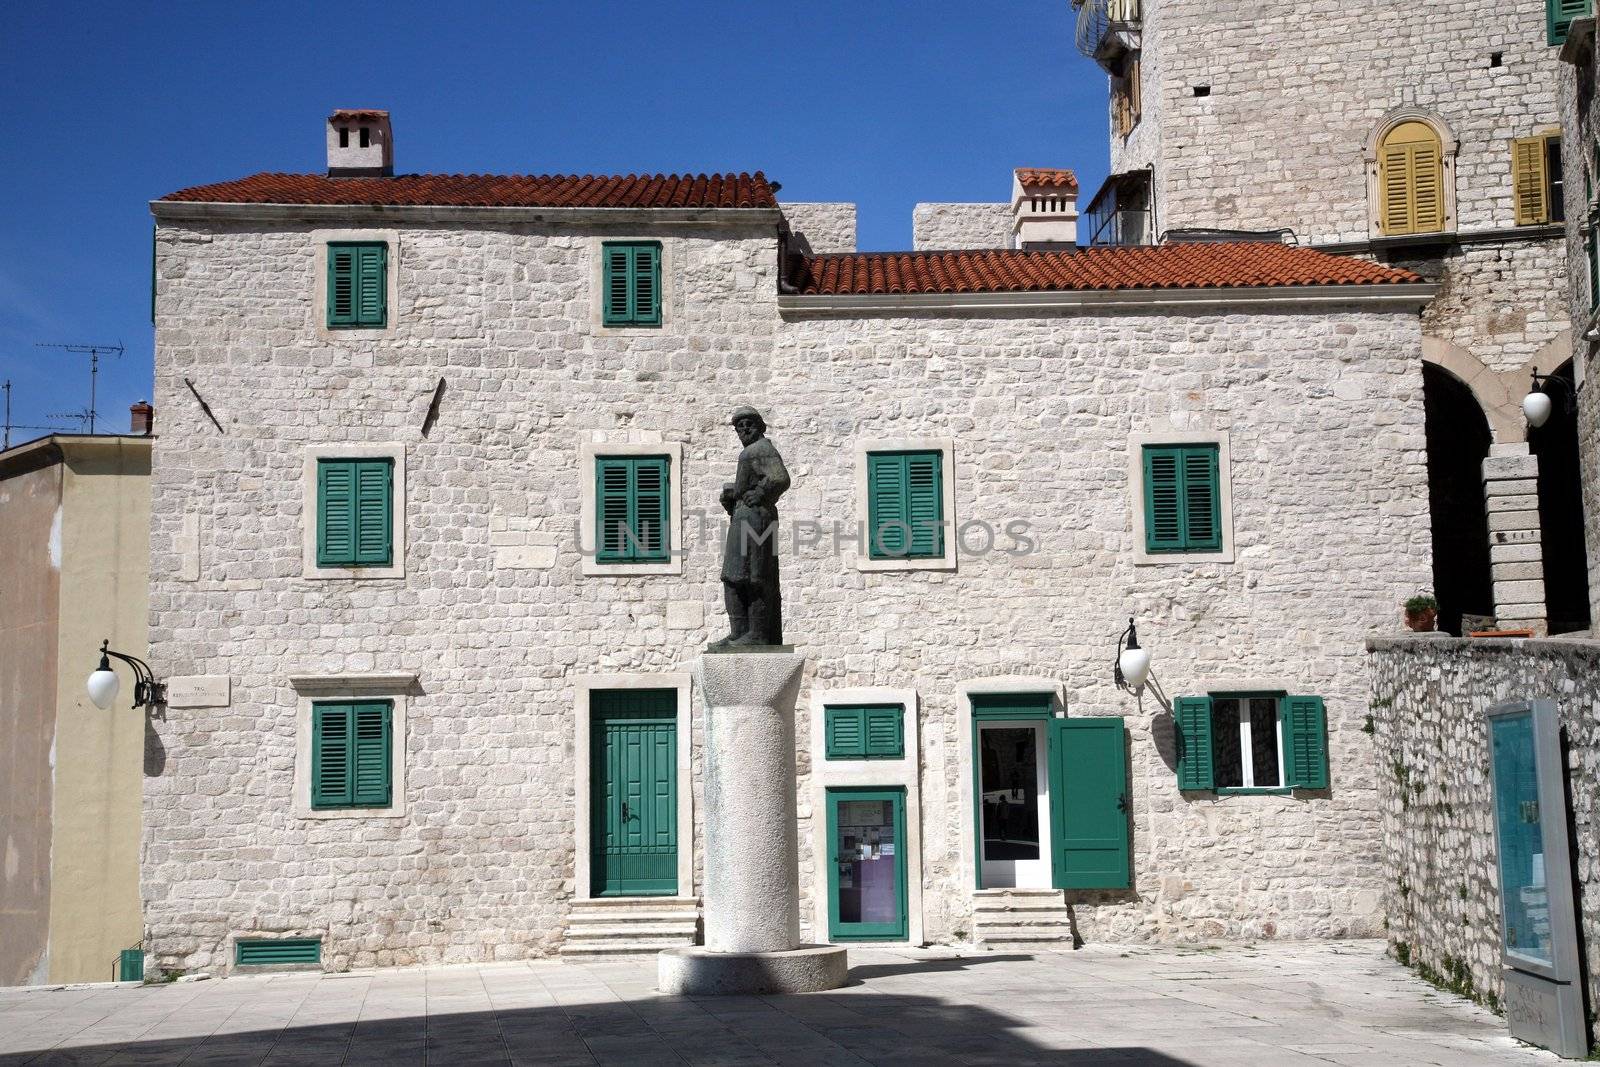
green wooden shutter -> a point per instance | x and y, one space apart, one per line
612 519
885 734
925 504
1305 742
374 541
618 294
647 285
1089 803
845 732
371 284
336 513
887 506
331 755
1163 501
372 774
650 509
341 285
1202 501
1192 717
633 498
1559 15
265 953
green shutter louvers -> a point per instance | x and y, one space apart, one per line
874 731
262 952
1182 498
358 285
905 505
1559 15
1192 719
633 498
350 755
354 512
1305 743
631 283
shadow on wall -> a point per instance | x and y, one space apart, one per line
809 1028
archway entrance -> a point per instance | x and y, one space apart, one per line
1458 440
1566 562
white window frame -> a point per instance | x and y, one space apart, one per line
1142 556
946 447
588 533
391 282
1246 763
396 454
313 689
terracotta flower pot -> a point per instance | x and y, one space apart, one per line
1422 621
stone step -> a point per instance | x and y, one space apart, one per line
1027 920
619 948
988 894
997 907
1023 934
642 915
634 930
601 903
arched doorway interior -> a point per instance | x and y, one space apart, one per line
1566 563
1458 441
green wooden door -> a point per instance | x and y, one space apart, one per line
633 751
867 898
1089 803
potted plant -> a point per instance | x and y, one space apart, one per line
1421 611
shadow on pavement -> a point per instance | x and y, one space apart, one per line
861 973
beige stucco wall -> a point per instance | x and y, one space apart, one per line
105 566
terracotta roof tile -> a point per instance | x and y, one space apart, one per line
1184 266
494 190
1060 179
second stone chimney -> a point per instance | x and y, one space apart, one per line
360 144
1044 208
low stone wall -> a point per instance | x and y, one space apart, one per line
1441 892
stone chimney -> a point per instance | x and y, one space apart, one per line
142 419
1044 208
360 144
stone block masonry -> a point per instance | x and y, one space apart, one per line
1441 893
944 227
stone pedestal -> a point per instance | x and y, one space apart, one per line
751 890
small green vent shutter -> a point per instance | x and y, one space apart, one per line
262 953
846 733
358 290
1305 742
633 497
1559 15
1182 499
872 732
354 497
350 755
1192 717
631 284
885 735
905 505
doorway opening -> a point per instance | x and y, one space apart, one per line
1458 442
1566 560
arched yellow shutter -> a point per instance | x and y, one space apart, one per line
1411 180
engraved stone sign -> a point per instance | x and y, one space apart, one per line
200 691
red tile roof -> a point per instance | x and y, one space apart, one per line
1183 266
1060 179
494 190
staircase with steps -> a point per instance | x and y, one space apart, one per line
1021 919
629 926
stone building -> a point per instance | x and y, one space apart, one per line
447 528
1427 142
74 520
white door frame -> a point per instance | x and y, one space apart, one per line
1023 874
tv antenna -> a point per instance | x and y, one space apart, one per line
93 352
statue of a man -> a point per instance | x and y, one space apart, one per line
750 554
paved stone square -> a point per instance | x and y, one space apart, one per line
1270 1006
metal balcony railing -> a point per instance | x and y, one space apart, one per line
1108 28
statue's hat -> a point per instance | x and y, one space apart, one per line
745 411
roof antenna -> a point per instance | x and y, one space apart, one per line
93 352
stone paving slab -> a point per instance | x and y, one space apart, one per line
1278 1005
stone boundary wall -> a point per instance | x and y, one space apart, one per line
945 227
1441 892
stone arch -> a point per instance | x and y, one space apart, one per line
1448 147
1501 403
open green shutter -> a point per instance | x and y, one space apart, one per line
341 285
1192 717
647 285
372 291
1163 506
372 773
885 734
374 537
887 506
331 755
1559 15
1305 741
1202 501
846 732
651 489
925 504
336 513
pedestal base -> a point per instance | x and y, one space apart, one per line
696 972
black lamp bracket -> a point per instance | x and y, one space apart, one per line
1567 395
1129 639
147 692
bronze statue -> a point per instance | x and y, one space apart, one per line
750 554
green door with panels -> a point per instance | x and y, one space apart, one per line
867 898
633 752
1089 803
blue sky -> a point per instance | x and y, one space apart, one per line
105 106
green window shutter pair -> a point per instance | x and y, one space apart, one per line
1559 15
358 284
632 283
874 731
350 747
354 502
905 505
632 505
1305 742
1182 498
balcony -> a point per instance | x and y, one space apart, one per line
1120 213
1108 29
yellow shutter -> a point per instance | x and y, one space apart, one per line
1427 183
1529 182
1394 181
1411 181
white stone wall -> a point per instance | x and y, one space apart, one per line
1324 412
945 227
822 227
1441 891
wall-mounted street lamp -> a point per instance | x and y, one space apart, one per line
1133 663
1538 404
103 683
